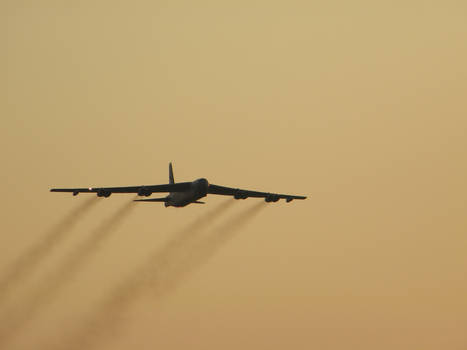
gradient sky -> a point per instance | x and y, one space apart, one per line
361 105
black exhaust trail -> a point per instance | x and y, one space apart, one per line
29 261
106 316
204 249
13 321
161 274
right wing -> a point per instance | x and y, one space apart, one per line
238 193
140 190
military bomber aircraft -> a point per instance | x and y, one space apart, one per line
182 193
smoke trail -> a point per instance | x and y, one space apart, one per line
202 250
29 261
67 270
162 273
158 265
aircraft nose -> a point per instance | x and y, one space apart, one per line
202 185
202 182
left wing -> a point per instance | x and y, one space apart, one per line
140 190
238 193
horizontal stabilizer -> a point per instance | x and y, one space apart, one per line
198 202
151 200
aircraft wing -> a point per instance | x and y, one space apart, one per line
238 193
141 190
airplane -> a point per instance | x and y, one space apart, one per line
181 193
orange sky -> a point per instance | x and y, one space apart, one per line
361 106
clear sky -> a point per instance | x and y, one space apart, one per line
360 105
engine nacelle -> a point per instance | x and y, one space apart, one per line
103 193
240 195
272 198
144 191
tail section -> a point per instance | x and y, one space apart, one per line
171 174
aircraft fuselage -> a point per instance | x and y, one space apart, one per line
199 189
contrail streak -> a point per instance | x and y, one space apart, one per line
67 270
202 250
29 261
162 273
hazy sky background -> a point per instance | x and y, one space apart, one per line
361 105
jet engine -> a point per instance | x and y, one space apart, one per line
240 195
103 193
144 191
272 198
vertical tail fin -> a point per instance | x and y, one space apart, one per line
171 174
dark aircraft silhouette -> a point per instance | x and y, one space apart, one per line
181 193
